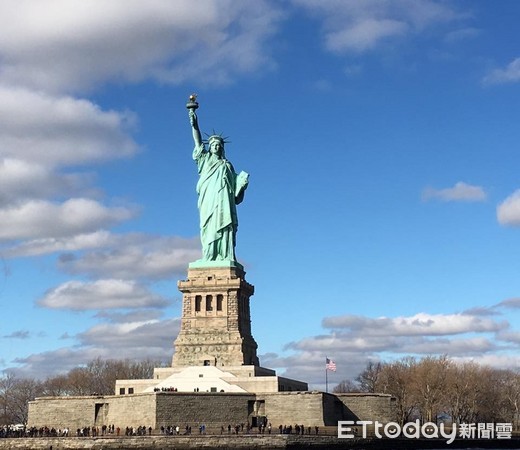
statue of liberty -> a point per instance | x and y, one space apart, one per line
219 190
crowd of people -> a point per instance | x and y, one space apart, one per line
298 429
165 389
21 431
170 430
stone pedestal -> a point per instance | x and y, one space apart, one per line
216 319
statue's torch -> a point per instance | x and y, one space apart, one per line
192 104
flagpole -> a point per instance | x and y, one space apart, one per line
326 377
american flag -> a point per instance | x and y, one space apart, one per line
330 365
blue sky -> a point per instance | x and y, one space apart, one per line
381 138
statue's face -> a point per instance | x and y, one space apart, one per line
216 147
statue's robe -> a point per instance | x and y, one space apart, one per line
218 197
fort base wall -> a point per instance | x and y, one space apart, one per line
149 410
214 410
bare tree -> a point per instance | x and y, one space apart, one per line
98 377
369 379
7 384
55 386
15 394
463 389
79 382
104 373
429 386
511 392
346 386
25 390
396 379
492 403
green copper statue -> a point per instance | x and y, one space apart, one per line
219 189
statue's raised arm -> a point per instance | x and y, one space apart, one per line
219 190
192 105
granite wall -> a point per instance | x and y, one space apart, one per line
366 406
213 409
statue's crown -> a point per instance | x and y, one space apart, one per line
217 137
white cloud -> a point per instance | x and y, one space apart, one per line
126 256
508 212
307 362
354 26
461 192
364 35
510 303
354 340
55 130
141 315
42 365
447 346
154 333
42 219
150 340
135 256
352 352
70 45
21 179
20 334
420 324
481 311
40 135
51 245
492 360
101 294
338 342
511 74
509 336
461 35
